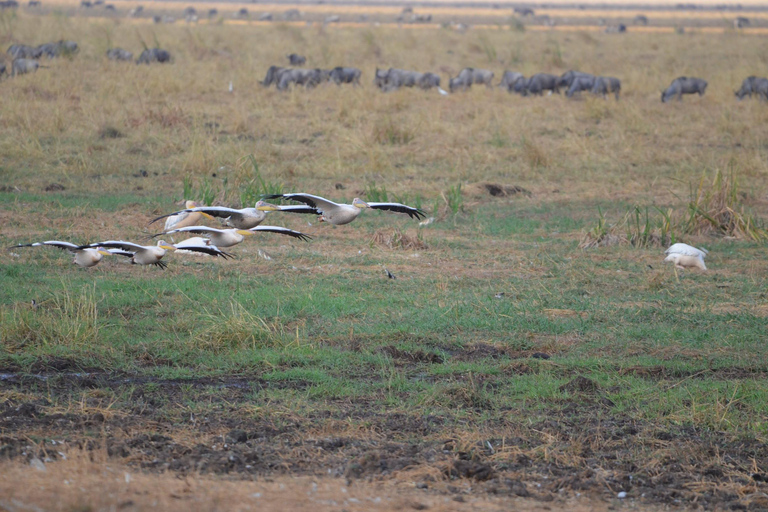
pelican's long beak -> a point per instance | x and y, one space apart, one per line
245 232
263 206
359 203
103 251
207 215
167 247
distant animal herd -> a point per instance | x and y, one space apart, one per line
24 60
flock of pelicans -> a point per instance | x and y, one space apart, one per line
237 224
244 222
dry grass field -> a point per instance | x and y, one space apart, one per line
534 352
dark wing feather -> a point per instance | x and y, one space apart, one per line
65 246
210 250
114 244
282 231
308 199
213 211
399 208
299 209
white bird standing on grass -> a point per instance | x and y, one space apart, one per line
244 218
85 256
339 214
230 237
684 256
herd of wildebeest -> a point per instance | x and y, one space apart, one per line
24 60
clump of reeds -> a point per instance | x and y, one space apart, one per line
396 239
717 209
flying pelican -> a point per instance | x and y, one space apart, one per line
339 214
245 218
187 217
152 254
685 256
230 237
85 255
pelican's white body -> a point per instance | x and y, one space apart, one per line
685 256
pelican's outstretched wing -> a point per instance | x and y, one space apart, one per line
66 246
196 230
213 211
210 250
320 203
399 208
119 244
282 231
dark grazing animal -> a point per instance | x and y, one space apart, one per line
753 85
541 82
341 75
428 81
53 50
273 76
297 60
567 78
607 84
3 68
23 66
508 79
119 54
393 78
469 76
579 84
22 51
684 85
307 77
154 55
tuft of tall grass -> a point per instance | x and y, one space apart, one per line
533 154
238 328
453 199
376 194
389 133
637 227
67 319
253 186
718 208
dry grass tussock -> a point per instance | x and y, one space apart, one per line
394 238
237 328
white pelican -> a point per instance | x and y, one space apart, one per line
339 214
230 237
152 254
85 256
187 217
245 218
685 256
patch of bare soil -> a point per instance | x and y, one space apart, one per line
442 461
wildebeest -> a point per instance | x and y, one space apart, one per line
136 11
212 13
567 78
109 7
421 18
273 75
297 60
641 19
119 54
341 75
190 11
469 76
242 13
22 51
333 18
9 4
428 81
753 85
580 83
684 85
541 82
153 55
86 4
53 50
741 22
3 68
616 29
307 77
291 14
22 66
606 84
265 16
392 78
34 3
523 11
520 86
509 78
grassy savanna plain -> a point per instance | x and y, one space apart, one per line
504 366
